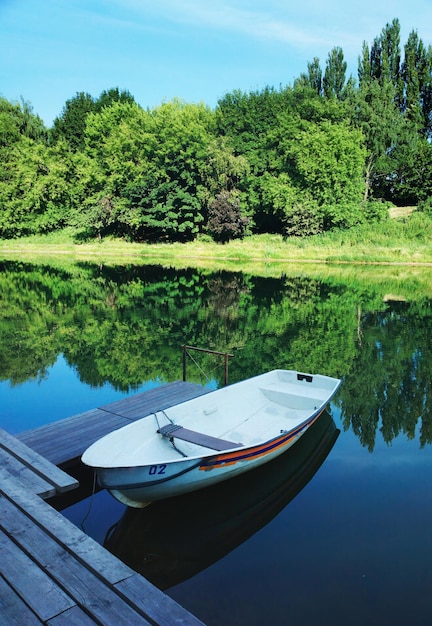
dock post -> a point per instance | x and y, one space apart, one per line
184 363
226 369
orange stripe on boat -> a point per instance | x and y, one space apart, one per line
231 458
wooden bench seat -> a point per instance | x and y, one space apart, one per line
200 439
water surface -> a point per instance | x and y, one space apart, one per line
335 532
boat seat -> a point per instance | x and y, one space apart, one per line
192 436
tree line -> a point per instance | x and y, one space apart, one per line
329 151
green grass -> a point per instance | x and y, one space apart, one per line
406 241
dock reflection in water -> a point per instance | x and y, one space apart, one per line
172 540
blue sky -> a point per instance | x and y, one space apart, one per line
196 50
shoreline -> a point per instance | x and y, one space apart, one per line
361 249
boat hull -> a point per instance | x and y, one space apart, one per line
137 487
197 443
214 521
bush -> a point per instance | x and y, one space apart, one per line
225 219
303 220
342 215
425 206
376 210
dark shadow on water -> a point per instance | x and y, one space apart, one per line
172 540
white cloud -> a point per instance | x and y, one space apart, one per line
235 16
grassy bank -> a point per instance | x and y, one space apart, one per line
394 242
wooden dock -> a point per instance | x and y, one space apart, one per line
50 571
63 442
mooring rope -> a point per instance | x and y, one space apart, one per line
90 503
206 376
198 366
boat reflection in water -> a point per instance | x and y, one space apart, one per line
174 539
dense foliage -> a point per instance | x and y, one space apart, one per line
297 160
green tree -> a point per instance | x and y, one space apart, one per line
313 78
279 197
18 120
71 123
117 145
109 96
264 127
411 180
377 115
224 170
335 74
148 170
393 109
36 188
325 160
417 77
173 196
246 118
9 123
383 62
391 58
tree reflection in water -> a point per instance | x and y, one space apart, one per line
126 325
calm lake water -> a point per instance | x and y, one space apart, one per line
336 531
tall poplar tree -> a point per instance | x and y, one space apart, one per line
417 76
313 78
382 62
391 58
335 74
378 104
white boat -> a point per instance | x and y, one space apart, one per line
213 521
209 439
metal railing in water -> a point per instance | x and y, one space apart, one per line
226 356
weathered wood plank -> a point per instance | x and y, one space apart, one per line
24 474
138 406
36 463
13 611
72 617
43 568
30 582
65 441
160 608
62 441
94 579
37 514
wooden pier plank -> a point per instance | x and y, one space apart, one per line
56 525
93 579
24 474
72 617
159 608
36 471
24 576
13 611
65 441
156 399
65 571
